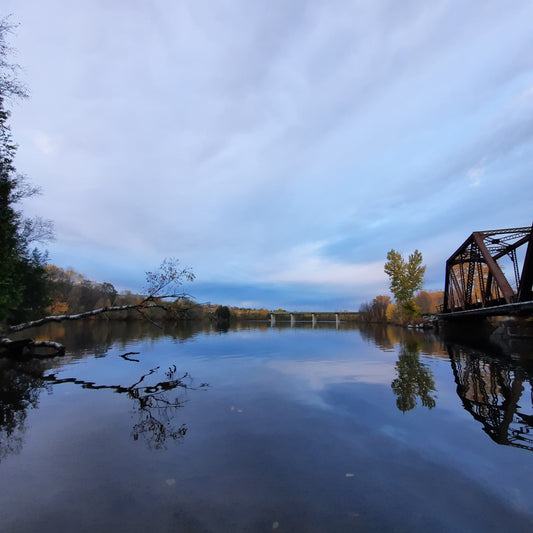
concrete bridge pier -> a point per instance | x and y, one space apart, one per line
272 319
313 318
293 320
337 320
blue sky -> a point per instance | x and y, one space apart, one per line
279 149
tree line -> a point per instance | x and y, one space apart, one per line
383 309
71 293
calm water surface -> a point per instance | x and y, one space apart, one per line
266 429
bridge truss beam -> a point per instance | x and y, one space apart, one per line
474 274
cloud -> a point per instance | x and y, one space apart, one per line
293 146
45 143
475 174
305 264
319 375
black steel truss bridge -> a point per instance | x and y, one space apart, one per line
491 273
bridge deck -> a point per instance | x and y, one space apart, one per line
520 308
331 313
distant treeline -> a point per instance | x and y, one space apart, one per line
71 293
382 309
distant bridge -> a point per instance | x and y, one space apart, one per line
310 316
475 281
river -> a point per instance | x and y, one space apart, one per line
260 428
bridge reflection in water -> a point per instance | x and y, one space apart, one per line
496 393
493 376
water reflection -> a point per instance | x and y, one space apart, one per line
496 391
493 391
20 387
250 456
414 378
153 405
95 337
155 400
387 338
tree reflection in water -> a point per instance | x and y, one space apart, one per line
491 390
155 408
20 387
154 404
415 379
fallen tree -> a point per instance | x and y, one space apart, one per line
161 285
60 318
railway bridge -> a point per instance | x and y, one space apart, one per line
491 274
311 316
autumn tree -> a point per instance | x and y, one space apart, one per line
429 302
377 310
406 278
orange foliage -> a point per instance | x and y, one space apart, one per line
429 301
57 308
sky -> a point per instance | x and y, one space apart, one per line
279 149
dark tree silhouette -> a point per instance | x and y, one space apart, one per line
22 277
20 387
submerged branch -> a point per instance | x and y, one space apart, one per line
126 356
25 347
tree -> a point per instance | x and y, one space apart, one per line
10 85
377 310
22 276
429 302
405 279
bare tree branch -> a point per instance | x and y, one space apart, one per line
169 277
37 230
10 86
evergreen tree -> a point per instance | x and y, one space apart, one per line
10 291
22 275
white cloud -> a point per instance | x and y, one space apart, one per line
305 264
45 143
475 174
319 374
